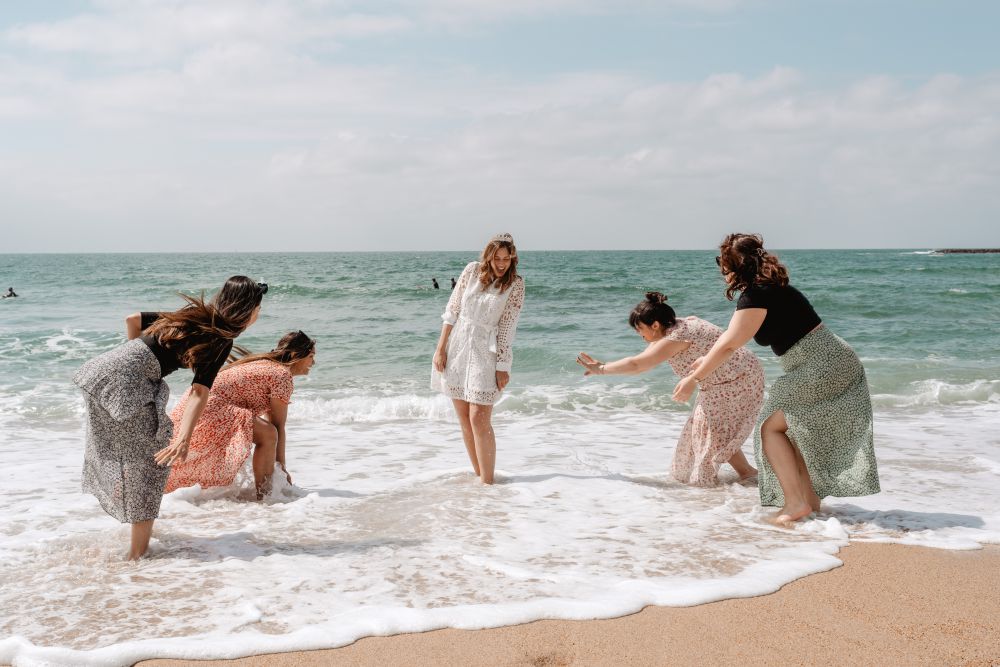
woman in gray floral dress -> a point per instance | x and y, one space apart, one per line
128 431
814 434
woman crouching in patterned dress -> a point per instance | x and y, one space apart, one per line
473 358
128 431
814 435
728 401
247 409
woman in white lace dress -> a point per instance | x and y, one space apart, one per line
473 358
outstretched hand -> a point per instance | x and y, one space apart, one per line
592 366
171 454
684 389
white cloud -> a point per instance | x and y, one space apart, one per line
157 30
232 120
160 31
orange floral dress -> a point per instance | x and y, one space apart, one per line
726 409
223 437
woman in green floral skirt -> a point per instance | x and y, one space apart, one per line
814 434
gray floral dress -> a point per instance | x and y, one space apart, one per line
127 424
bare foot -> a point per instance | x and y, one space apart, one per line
814 501
789 514
748 478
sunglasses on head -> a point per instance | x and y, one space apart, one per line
718 260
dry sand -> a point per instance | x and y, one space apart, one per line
888 605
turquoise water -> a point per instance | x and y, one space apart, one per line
926 325
387 530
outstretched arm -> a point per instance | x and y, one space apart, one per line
742 327
654 355
176 452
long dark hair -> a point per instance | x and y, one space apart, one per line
202 328
486 268
653 309
745 263
293 346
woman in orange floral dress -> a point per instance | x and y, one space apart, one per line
246 412
729 398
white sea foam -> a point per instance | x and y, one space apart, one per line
925 393
387 531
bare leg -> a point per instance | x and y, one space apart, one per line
462 410
780 454
806 481
265 440
742 466
486 443
141 532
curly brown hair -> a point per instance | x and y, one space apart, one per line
744 262
202 327
293 346
486 268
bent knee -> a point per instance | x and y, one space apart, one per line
266 434
775 423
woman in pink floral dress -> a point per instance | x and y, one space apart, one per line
728 401
246 412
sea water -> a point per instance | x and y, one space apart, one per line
386 529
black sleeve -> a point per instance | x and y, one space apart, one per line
752 298
205 375
147 319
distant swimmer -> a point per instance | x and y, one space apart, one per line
453 283
435 281
10 293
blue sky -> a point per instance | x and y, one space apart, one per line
341 125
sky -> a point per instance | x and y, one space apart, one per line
341 125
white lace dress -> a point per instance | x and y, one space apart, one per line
484 322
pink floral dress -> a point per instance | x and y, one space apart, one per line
725 411
223 438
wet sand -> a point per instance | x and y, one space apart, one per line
888 605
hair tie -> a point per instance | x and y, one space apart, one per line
761 252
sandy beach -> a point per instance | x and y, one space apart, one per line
888 605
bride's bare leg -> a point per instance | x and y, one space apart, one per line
486 444
462 410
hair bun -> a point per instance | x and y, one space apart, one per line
656 297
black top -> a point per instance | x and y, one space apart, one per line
170 358
789 317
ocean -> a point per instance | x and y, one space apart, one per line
386 529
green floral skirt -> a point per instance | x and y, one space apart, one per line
824 397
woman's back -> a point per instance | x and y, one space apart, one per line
702 336
252 385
